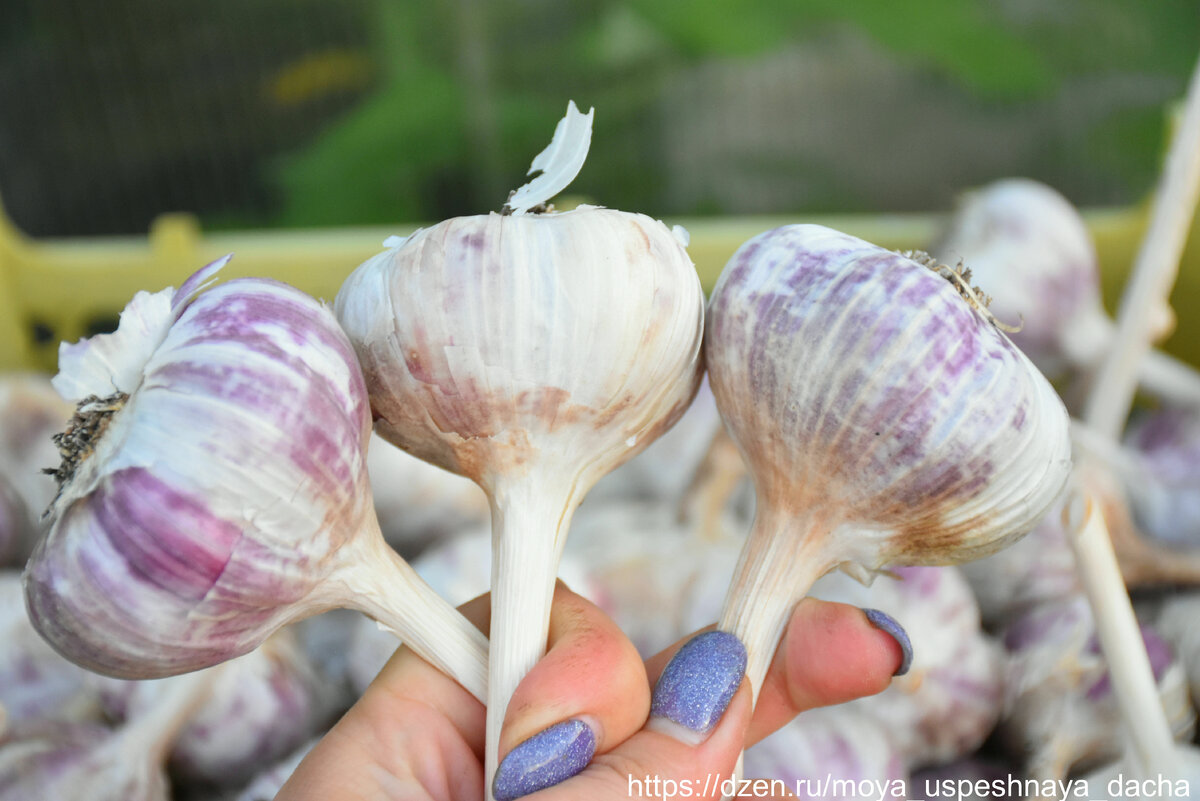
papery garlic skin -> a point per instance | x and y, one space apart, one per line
532 353
858 381
883 417
482 336
167 559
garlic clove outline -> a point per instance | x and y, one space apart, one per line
532 353
884 419
220 491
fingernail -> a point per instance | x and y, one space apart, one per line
697 685
545 759
885 622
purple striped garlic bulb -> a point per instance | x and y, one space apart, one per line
884 419
532 352
1030 248
214 488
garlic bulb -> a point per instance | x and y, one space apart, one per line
259 708
533 353
36 684
948 702
1031 250
884 419
1165 490
1061 712
83 762
215 489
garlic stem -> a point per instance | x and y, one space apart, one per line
1169 379
381 585
1154 272
151 735
782 558
1152 745
528 535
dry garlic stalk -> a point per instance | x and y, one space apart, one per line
214 488
533 353
884 420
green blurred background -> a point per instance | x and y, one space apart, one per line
289 113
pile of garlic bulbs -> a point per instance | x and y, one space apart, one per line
245 464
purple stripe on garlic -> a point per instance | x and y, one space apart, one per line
883 417
218 491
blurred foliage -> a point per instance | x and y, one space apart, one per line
411 152
316 112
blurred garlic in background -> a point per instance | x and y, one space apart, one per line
832 747
88 762
36 683
259 708
1060 711
418 503
1028 247
948 702
31 413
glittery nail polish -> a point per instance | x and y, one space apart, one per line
551 756
885 622
697 685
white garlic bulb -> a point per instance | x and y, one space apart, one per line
215 489
884 419
1030 249
532 353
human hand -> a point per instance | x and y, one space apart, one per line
585 721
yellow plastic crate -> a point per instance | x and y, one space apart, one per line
56 290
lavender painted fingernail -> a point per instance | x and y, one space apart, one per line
885 622
545 759
697 685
